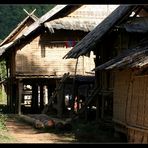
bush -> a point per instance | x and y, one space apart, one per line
2 121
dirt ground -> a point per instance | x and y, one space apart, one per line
21 132
24 133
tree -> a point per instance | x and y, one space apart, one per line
11 15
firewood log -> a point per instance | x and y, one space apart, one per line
36 123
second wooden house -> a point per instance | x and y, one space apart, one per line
35 61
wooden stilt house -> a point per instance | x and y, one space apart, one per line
6 43
35 61
126 38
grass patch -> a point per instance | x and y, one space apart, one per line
3 119
4 135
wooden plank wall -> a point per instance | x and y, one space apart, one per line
29 60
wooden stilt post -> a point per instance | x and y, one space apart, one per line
102 107
20 87
41 98
98 109
34 104
50 90
74 88
11 95
60 102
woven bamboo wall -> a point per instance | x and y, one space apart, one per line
136 135
43 56
138 110
122 79
131 104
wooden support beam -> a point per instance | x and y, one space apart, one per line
41 98
34 103
60 102
97 109
20 87
102 106
49 91
74 88
89 100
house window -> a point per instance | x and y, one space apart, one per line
27 95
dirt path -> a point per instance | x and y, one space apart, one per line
24 133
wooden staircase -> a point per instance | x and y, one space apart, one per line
55 92
89 99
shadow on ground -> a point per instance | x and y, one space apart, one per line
81 131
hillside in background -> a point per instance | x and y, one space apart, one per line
11 15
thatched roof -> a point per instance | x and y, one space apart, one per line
132 58
72 24
89 42
85 18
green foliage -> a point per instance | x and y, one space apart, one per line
2 121
3 75
4 134
11 15
3 96
3 72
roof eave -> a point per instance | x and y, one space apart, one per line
89 41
